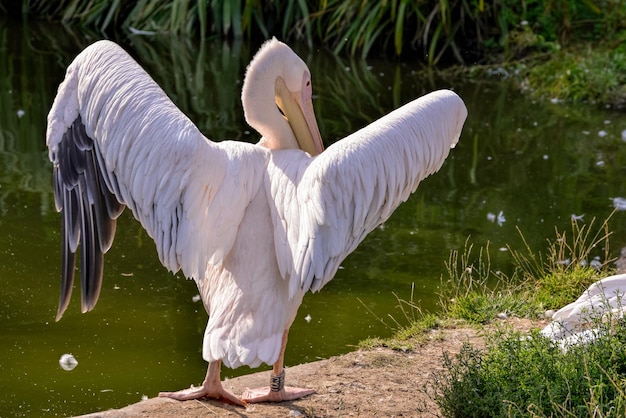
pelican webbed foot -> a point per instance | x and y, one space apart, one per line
203 392
276 392
211 388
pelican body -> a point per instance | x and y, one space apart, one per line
256 226
576 322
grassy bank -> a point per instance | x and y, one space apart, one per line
583 73
524 375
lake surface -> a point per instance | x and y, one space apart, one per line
536 164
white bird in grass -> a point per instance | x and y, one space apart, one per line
578 322
255 226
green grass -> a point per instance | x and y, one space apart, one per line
522 376
575 259
410 329
585 71
474 292
588 74
518 375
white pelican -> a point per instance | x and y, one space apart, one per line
255 226
577 322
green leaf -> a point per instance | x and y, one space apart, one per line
112 11
202 17
399 29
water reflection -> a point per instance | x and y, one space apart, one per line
536 163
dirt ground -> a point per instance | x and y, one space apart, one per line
377 382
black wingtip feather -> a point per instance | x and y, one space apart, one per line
67 278
91 257
89 211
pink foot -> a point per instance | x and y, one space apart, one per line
204 391
267 395
276 392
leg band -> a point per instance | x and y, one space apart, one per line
277 383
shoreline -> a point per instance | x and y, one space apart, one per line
366 382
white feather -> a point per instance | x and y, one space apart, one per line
603 300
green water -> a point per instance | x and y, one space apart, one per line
538 163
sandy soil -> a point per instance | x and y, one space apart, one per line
378 382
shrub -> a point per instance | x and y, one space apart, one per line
517 376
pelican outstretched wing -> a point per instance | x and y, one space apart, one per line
334 200
117 140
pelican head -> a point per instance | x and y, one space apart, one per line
276 99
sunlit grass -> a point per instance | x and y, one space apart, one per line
518 375
587 74
477 293
574 261
410 327
584 72
521 376
474 292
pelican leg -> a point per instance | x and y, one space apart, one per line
211 388
277 391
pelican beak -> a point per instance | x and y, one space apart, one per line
297 108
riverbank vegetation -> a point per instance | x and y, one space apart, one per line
571 50
524 375
519 375
465 30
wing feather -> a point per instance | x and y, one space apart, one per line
357 183
117 140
